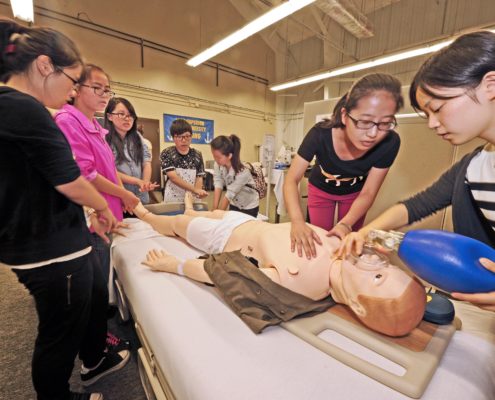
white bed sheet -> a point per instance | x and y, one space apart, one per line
207 352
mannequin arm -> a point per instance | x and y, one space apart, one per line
159 260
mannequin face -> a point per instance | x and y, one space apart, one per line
370 275
221 159
379 106
381 295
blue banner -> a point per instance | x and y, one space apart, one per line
202 129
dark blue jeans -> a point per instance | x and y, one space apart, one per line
71 299
102 252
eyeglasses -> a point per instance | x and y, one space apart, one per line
121 115
366 124
74 81
99 91
183 137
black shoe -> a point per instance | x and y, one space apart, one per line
85 396
111 363
116 344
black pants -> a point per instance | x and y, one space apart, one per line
252 211
71 300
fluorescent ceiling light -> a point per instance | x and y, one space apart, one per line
23 9
364 65
260 23
411 115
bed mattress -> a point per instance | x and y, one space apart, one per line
206 352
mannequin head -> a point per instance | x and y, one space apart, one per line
383 297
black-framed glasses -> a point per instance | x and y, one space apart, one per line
183 137
99 91
367 124
122 115
74 81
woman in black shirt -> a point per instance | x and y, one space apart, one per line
43 234
353 151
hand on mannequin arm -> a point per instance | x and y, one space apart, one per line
485 301
129 200
176 179
395 217
362 204
82 192
301 235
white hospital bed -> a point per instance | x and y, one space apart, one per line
195 347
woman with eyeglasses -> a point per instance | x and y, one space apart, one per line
455 88
354 151
44 239
132 156
93 154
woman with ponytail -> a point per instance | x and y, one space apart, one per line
232 174
44 238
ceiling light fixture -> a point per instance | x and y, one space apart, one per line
364 65
260 23
23 9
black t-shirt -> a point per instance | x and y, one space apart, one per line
37 223
340 177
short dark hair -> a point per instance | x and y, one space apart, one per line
180 126
462 64
20 46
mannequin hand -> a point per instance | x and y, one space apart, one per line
351 244
129 201
303 237
120 229
200 193
485 301
339 230
159 260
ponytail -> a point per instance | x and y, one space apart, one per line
236 153
20 46
229 145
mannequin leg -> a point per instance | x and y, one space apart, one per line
189 210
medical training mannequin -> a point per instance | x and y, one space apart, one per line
382 296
